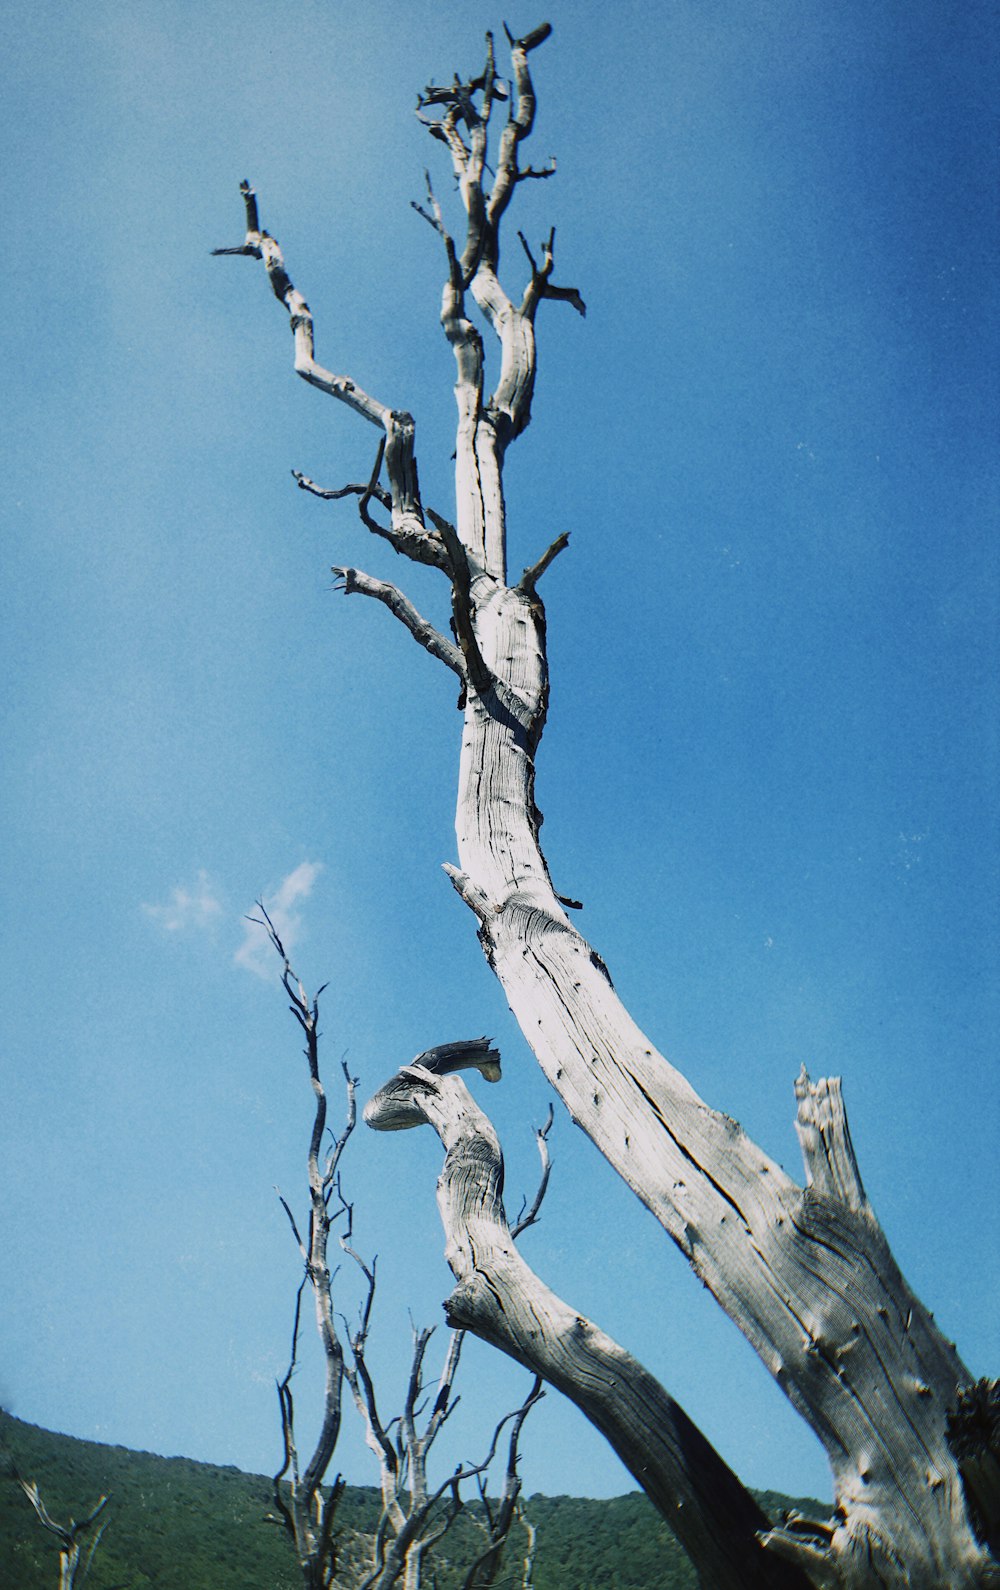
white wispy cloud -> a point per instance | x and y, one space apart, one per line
188 909
255 953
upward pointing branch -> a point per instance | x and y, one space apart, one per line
464 127
73 1565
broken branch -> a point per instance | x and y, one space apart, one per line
531 576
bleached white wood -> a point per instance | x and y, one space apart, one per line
805 1272
501 1300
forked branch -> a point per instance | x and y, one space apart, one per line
306 1508
463 126
501 1516
541 285
76 1553
416 1516
408 533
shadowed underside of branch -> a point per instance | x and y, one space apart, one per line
805 1272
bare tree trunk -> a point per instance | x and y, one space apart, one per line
806 1274
804 1271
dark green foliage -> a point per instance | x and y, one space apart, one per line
620 1544
174 1524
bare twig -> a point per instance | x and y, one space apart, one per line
338 493
529 579
309 1511
529 1217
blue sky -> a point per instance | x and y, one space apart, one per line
771 765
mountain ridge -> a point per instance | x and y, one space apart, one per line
178 1524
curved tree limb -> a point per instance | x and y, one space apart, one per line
501 1300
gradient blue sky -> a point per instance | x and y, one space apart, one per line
772 760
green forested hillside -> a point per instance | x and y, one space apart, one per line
179 1525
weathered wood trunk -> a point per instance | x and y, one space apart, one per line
804 1271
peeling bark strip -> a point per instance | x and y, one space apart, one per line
806 1273
503 1302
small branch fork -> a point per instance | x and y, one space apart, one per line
415 1516
500 1517
540 285
458 115
74 1557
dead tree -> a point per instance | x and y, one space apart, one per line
78 1541
416 1515
803 1270
307 1508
